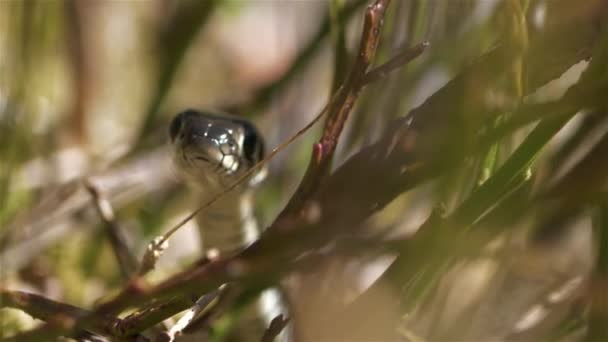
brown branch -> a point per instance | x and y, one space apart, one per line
55 211
405 56
126 260
339 111
153 315
61 317
222 303
40 334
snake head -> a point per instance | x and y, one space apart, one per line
212 150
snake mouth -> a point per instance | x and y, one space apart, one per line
215 156
217 166
205 159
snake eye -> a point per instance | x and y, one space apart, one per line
176 126
253 144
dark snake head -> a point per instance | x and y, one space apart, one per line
212 150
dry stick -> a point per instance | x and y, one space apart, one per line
64 320
40 334
405 56
126 260
339 111
149 316
200 305
64 316
220 305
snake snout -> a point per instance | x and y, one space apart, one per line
213 149
203 148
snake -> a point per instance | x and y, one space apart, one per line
211 151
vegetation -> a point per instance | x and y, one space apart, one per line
439 171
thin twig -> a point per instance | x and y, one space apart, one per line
62 316
339 111
154 314
190 318
222 303
154 251
200 305
405 56
126 260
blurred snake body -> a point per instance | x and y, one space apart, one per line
211 151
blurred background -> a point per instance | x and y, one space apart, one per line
87 90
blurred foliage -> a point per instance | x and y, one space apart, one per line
504 239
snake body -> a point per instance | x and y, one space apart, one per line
211 151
